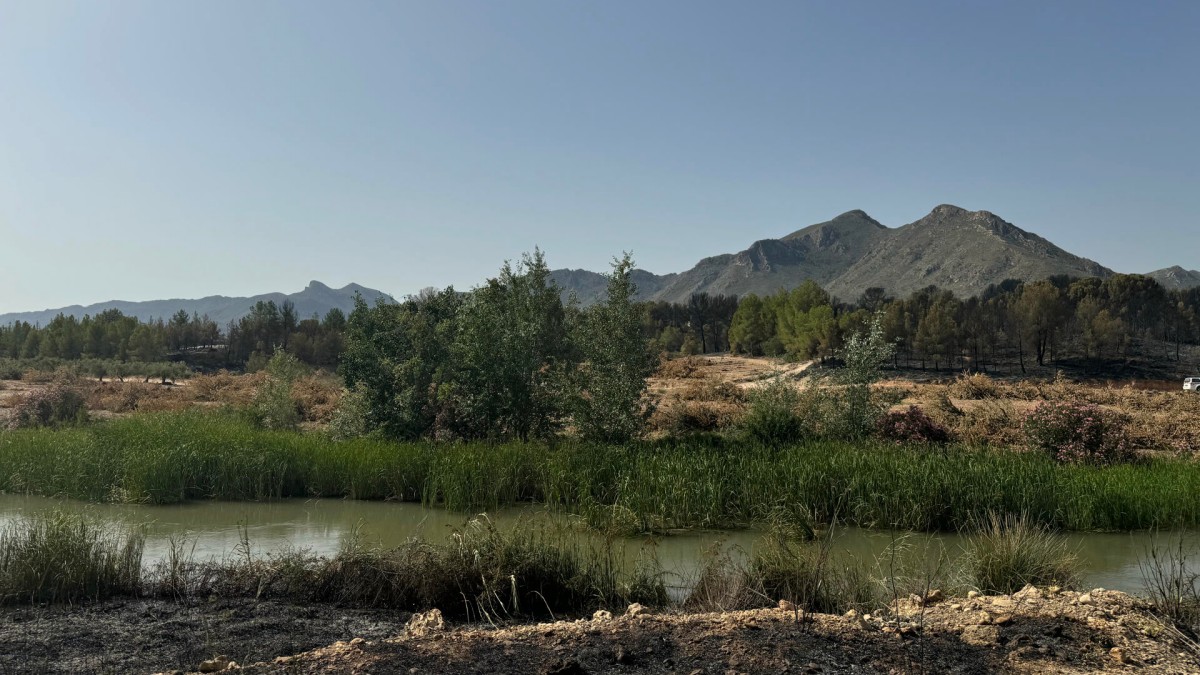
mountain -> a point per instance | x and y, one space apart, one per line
592 287
952 248
1176 278
316 298
958 250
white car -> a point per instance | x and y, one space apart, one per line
1191 384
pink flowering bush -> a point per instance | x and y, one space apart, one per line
1080 433
911 426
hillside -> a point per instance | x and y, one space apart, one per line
316 298
1176 278
958 250
952 248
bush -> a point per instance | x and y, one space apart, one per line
1079 433
679 417
771 417
10 370
52 407
911 426
349 418
1173 584
274 407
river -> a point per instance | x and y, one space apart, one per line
214 529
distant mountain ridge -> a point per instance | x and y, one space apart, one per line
1176 278
951 247
316 298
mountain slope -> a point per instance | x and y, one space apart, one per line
316 298
1176 278
592 287
819 252
952 248
958 250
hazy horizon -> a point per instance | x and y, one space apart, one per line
152 151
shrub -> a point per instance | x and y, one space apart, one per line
687 417
274 407
1006 553
52 407
1173 584
911 426
349 418
771 417
10 370
1080 433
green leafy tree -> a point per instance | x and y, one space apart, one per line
864 355
398 360
609 383
511 350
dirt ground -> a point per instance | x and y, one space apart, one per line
142 636
1033 631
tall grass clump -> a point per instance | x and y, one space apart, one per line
1008 552
805 573
62 557
779 567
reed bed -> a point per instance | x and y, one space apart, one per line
652 486
480 572
536 569
63 558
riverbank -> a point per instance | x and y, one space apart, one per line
691 482
1031 631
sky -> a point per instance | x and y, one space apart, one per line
181 149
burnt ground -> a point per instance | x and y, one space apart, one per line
1034 631
144 636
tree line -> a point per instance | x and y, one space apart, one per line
1020 323
1035 323
248 342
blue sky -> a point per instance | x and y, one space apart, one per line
171 149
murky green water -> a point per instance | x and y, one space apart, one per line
214 529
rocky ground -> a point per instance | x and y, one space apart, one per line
1033 631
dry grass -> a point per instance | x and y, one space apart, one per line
316 395
681 369
981 409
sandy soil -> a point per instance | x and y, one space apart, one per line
1029 632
